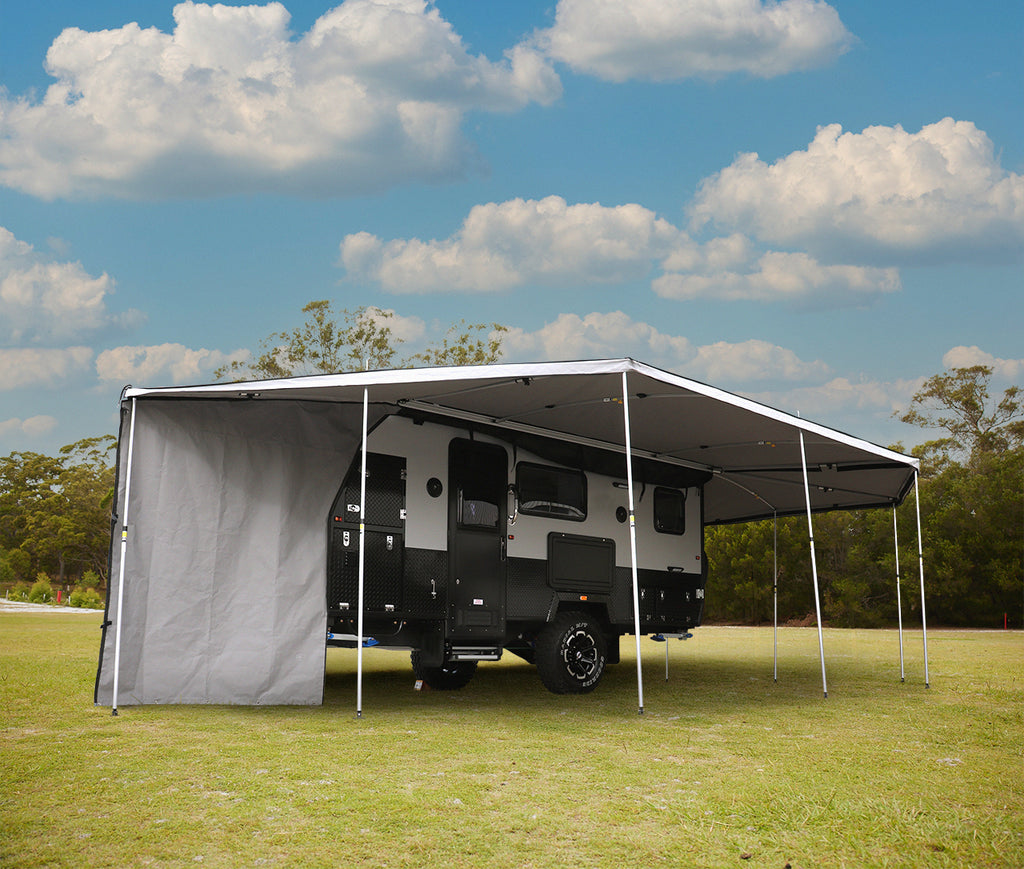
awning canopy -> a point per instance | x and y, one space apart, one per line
223 489
750 452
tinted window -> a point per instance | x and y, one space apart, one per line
476 513
554 492
669 511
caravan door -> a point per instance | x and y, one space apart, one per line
478 482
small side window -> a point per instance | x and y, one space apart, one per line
554 492
669 511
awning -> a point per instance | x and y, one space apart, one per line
751 451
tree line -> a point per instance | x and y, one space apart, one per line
55 510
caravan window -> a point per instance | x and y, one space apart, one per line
555 492
669 511
476 513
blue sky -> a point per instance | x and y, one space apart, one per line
814 204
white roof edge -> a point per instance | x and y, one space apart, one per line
390 377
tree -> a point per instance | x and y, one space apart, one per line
327 342
971 496
353 340
466 344
958 401
55 511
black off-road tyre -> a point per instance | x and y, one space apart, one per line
571 653
447 677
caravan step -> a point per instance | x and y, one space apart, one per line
474 653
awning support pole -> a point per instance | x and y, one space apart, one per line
775 595
814 564
899 601
362 559
632 545
124 549
920 563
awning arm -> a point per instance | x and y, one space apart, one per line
920 562
899 596
814 565
632 545
775 597
525 428
124 550
362 557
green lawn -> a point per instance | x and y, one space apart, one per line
725 768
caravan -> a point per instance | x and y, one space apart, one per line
475 546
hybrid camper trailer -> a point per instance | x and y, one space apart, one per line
475 546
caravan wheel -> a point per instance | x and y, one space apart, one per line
447 677
571 654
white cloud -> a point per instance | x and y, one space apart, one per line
42 300
595 335
652 39
551 243
39 367
882 195
750 361
160 363
502 245
772 276
616 334
407 329
841 399
372 96
34 426
967 357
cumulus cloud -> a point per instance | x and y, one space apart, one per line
883 196
372 96
844 402
39 367
42 300
750 361
746 274
967 357
595 335
654 40
502 245
162 362
598 335
34 426
549 242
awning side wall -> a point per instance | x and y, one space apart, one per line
224 589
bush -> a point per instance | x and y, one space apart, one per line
86 597
41 591
89 579
20 591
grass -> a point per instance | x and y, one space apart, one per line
725 768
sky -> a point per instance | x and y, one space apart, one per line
816 205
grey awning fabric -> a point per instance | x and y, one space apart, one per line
224 580
751 450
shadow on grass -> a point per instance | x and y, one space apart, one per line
711 684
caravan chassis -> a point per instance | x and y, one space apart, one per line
477 542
